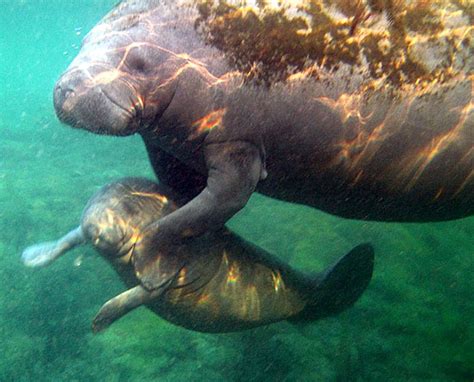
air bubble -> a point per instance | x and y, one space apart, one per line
78 261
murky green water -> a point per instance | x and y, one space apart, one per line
415 322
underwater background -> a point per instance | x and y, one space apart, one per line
414 323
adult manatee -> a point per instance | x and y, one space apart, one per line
360 109
215 283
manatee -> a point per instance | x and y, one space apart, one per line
360 109
216 283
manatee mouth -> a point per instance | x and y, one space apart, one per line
125 256
112 110
113 242
130 111
125 248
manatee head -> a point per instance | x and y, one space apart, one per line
108 231
123 77
116 216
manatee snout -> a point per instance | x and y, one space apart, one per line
109 235
65 92
104 239
103 103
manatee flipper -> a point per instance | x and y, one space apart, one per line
340 286
120 305
43 254
235 167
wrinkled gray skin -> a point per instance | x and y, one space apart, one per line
214 140
217 283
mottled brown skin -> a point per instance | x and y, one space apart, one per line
365 130
216 283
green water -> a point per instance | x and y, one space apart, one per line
415 322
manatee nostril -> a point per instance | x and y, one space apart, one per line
140 65
136 63
68 93
61 95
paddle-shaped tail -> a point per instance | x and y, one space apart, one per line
339 287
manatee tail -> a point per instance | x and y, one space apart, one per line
340 286
43 254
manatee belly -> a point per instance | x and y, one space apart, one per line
245 289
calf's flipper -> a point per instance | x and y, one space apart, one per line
120 305
43 254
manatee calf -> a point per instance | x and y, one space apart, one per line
216 283
362 109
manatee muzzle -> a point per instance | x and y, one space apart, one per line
111 240
105 108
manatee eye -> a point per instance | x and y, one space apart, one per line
136 63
